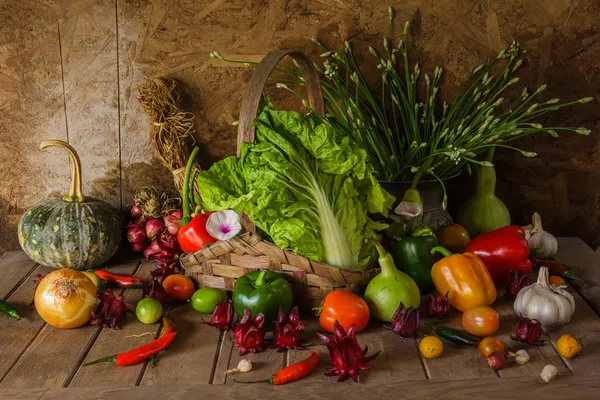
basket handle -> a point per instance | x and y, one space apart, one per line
251 101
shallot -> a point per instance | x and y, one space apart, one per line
154 228
136 234
172 222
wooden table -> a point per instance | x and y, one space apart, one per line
39 361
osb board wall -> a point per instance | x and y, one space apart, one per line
72 70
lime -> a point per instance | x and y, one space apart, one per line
148 310
93 277
205 300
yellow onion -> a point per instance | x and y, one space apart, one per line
66 298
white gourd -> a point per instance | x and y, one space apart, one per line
538 238
549 304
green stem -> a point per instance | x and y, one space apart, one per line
490 154
270 380
187 217
260 280
486 181
74 195
111 359
386 261
441 250
420 173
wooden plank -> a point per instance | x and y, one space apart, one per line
573 252
112 341
398 360
191 357
222 362
32 109
562 388
89 57
17 335
14 267
55 354
457 362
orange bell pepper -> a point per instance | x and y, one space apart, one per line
465 278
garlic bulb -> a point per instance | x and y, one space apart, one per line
521 357
549 304
538 238
243 366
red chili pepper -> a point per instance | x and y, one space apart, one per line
292 372
559 269
140 354
121 280
502 250
192 234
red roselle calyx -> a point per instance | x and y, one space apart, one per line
528 331
345 355
163 270
155 290
405 321
517 281
250 333
111 310
496 361
287 330
222 316
438 306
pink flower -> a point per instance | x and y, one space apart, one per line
223 225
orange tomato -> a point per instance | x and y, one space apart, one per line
557 280
179 287
345 307
490 345
453 237
481 321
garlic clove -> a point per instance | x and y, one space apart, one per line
244 365
521 357
548 373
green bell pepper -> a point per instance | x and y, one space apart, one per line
412 256
262 292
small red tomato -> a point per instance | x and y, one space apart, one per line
346 308
179 287
453 237
481 321
490 345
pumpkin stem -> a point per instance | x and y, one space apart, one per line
74 195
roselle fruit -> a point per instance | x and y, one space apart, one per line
496 361
111 310
287 330
438 306
155 290
528 331
517 281
250 333
162 270
345 355
405 321
222 316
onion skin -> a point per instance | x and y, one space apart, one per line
136 212
66 298
154 228
136 234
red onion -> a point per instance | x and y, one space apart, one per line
136 234
136 212
172 222
152 250
154 228
138 247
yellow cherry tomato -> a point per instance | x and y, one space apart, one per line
568 346
431 347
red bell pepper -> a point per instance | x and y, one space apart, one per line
502 250
192 234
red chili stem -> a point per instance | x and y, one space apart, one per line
139 354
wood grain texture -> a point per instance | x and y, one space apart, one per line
15 335
55 354
14 266
131 335
31 110
89 58
561 388
161 37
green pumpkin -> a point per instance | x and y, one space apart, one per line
72 232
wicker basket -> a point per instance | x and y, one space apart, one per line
222 263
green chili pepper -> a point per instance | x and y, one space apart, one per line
454 335
9 310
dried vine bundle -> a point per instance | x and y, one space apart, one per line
171 132
156 203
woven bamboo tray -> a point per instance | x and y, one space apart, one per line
223 262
